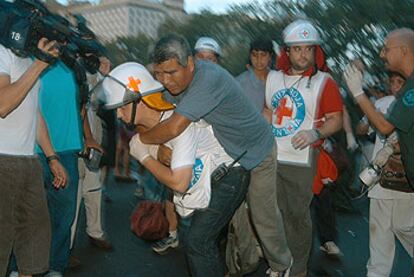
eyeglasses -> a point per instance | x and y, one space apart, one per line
386 49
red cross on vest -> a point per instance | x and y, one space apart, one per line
283 111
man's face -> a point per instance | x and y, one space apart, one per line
260 59
391 53
175 77
124 113
302 57
206 55
396 83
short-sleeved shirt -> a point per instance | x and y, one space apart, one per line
215 96
58 101
18 129
401 115
253 87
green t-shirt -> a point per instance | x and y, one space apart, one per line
401 115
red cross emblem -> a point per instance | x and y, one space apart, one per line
305 33
282 111
133 84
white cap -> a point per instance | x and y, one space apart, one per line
207 43
301 32
126 83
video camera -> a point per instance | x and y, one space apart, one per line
24 22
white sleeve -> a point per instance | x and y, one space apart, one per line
5 60
269 89
184 148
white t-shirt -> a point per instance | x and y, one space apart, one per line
18 129
377 191
196 147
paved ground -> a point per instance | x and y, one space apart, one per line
134 258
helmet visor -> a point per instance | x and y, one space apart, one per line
112 93
155 100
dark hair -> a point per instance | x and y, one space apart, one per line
396 74
262 44
171 46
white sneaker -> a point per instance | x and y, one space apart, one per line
330 248
162 245
14 274
284 273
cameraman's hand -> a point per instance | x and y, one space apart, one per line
139 150
48 47
105 65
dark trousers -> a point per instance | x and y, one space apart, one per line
201 237
325 218
62 208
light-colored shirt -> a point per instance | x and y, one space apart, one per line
18 129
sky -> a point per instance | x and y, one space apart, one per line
193 6
218 6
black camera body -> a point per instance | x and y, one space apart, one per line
24 22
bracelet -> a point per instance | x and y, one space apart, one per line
52 157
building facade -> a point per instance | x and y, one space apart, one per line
110 19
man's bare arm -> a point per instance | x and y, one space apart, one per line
12 94
177 179
43 139
332 124
165 130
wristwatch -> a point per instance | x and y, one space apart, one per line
52 157
318 134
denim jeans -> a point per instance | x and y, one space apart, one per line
201 238
62 208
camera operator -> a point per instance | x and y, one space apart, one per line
24 217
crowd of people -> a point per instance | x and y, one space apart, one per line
252 151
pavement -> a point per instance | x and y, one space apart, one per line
133 257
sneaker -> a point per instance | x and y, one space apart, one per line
53 273
162 245
14 274
330 248
285 273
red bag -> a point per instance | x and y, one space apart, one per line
148 221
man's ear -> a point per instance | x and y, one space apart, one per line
404 50
190 63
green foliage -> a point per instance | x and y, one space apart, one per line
349 28
131 49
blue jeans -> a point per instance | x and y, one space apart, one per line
201 238
62 208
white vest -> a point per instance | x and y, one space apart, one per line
293 101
